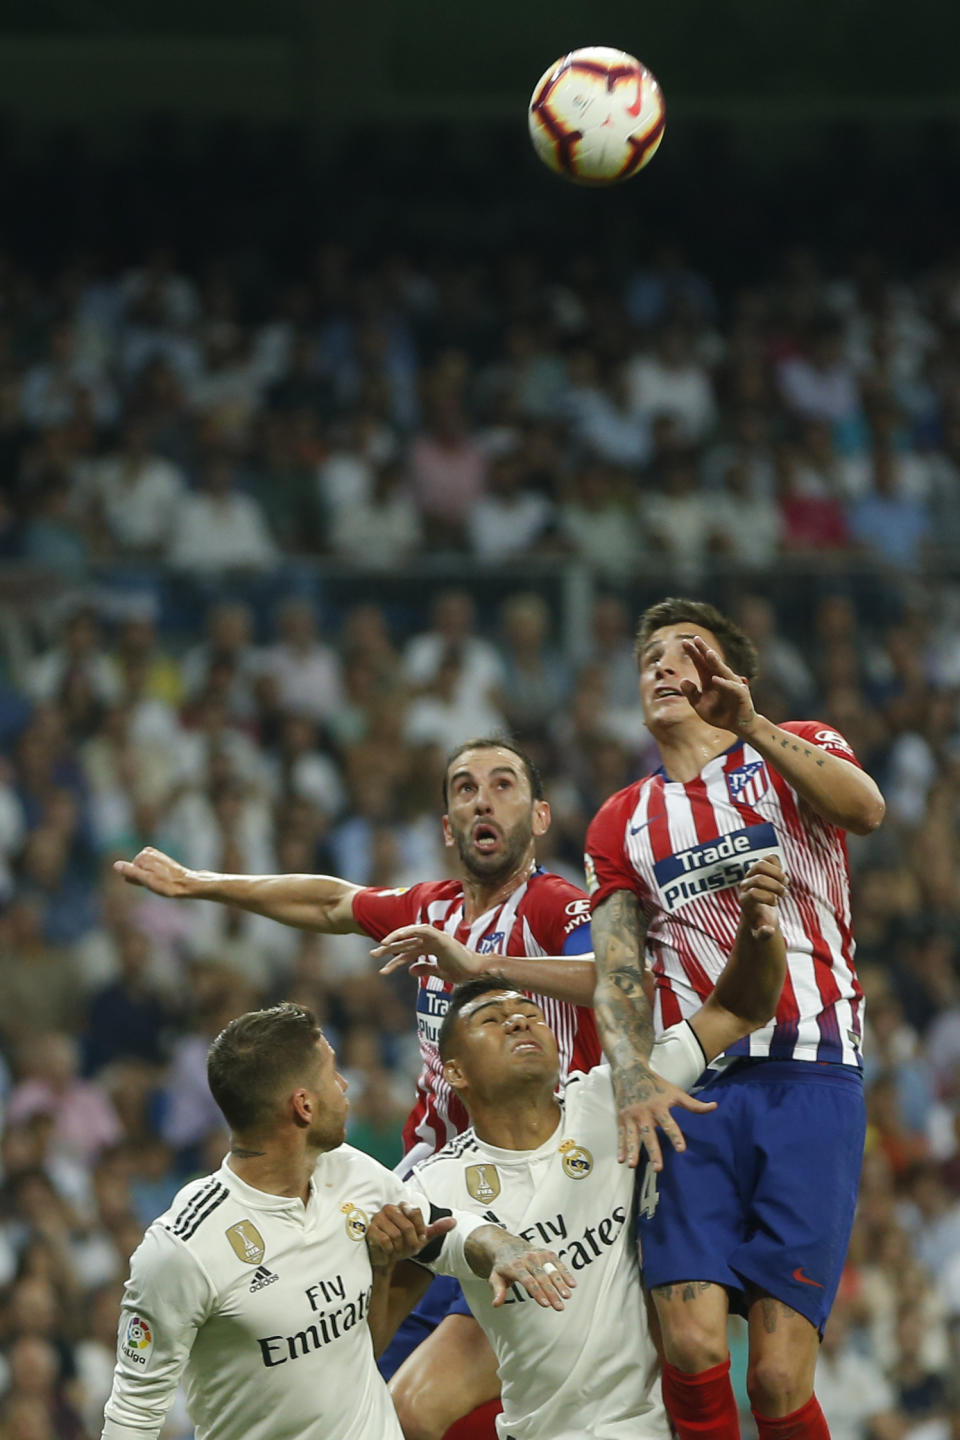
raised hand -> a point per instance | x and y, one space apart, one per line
718 695
428 951
398 1232
760 891
157 872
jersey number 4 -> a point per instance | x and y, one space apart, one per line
649 1197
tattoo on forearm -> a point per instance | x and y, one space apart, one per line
803 750
621 1008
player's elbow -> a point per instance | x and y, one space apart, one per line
868 815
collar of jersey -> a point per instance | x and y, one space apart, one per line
522 1157
661 769
258 1199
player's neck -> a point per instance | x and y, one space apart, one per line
689 745
519 1122
479 896
275 1168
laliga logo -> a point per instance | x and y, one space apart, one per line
137 1341
138 1333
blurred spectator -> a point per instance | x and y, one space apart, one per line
857 1401
382 531
676 518
77 653
671 381
127 1019
85 1121
305 671
447 474
535 678
219 529
599 525
58 389
888 522
136 494
604 417
452 638
509 520
820 383
744 526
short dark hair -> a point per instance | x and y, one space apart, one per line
739 651
255 1056
495 742
463 995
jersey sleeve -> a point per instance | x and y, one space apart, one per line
815 732
165 1301
377 912
445 1254
559 917
605 862
678 1056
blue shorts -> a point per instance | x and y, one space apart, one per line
763 1197
443 1298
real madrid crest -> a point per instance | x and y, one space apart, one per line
246 1241
483 1182
577 1160
357 1221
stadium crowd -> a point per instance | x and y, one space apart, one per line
188 459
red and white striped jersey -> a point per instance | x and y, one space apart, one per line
544 916
683 849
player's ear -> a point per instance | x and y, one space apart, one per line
541 817
301 1107
448 839
453 1074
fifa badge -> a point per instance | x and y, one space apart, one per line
246 1241
483 1182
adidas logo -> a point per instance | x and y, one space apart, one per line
261 1278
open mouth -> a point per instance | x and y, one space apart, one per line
486 837
526 1045
665 692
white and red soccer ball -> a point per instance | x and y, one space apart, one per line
597 116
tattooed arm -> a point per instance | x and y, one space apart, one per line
625 1024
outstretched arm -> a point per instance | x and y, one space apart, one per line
625 1023
839 792
748 989
307 902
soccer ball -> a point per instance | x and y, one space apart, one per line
596 116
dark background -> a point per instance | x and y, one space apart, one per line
275 126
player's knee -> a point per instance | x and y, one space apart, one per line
691 1345
777 1387
419 1416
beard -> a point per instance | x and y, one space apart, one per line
495 868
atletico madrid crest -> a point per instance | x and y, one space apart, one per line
748 784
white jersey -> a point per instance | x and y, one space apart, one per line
592 1370
260 1303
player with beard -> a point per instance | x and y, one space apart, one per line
507 917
